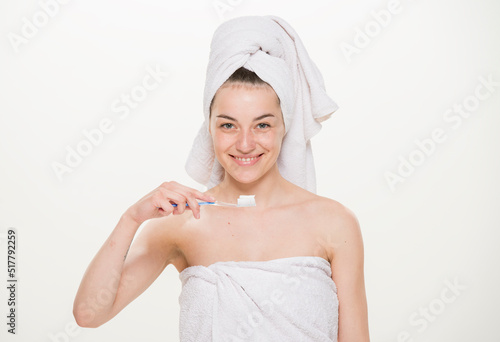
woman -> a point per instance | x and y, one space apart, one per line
290 268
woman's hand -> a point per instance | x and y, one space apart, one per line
158 203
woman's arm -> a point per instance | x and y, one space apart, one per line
116 276
345 250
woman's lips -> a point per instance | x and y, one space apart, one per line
246 161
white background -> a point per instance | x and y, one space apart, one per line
441 223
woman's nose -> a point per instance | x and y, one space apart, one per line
246 141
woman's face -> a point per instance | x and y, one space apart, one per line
247 129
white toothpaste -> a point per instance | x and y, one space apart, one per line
246 201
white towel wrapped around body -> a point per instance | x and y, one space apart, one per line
270 47
287 299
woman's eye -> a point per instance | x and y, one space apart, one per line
227 125
263 125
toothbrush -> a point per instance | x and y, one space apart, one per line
243 201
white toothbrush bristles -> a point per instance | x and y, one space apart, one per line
246 201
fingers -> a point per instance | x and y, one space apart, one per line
178 199
164 209
205 197
193 203
163 205
179 194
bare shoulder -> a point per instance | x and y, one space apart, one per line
335 212
326 209
338 226
326 212
160 237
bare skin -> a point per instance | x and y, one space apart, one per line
288 221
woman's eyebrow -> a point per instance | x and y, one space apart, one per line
225 116
263 116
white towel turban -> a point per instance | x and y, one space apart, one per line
270 47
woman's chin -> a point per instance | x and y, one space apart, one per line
246 178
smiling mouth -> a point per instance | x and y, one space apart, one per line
246 159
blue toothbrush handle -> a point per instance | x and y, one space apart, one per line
200 203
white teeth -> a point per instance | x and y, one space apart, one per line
246 159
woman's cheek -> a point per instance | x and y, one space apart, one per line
272 140
223 141
227 139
